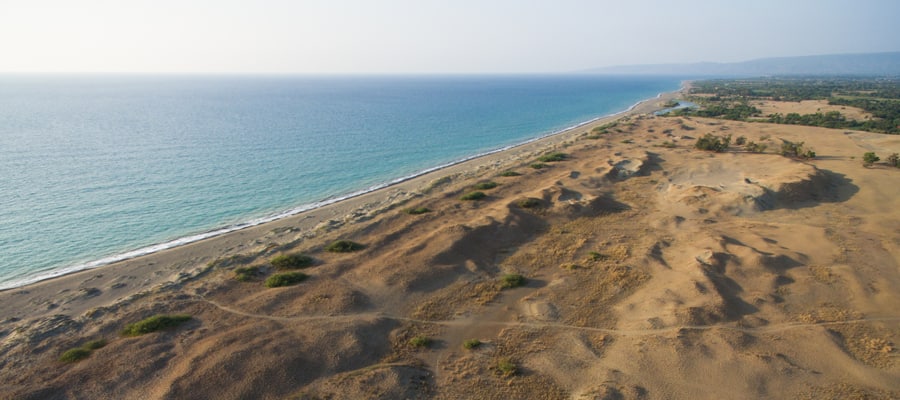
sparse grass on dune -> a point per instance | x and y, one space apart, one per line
473 196
344 246
291 261
155 323
286 279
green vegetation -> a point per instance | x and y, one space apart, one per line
729 99
473 196
755 147
595 256
420 341
344 246
291 261
671 104
714 143
485 185
506 367
247 274
509 173
528 203
510 281
80 353
155 323
76 354
791 149
553 157
870 158
669 145
894 160
538 165
471 344
603 129
285 279
740 141
417 211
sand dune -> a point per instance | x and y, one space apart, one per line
654 271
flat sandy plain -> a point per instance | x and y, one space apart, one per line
654 271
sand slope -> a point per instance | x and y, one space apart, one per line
655 271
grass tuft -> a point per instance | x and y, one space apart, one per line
510 281
510 173
538 165
553 157
473 196
417 211
471 344
76 354
485 185
506 367
291 261
285 279
155 323
528 203
420 341
95 344
344 246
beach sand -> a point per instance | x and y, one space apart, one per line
653 270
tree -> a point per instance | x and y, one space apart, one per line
870 158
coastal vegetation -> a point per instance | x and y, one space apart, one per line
420 341
510 281
538 165
710 142
509 173
736 99
247 274
507 367
471 344
528 202
553 157
155 323
417 210
82 352
343 246
473 196
291 261
285 279
870 158
485 185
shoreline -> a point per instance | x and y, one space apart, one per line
306 211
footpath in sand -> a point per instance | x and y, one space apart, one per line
654 271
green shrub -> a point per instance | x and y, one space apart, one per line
291 261
740 141
509 173
417 211
593 137
420 341
343 246
538 165
285 279
870 158
485 185
473 196
510 281
155 323
94 344
894 160
506 367
553 157
755 147
76 354
246 274
471 344
791 149
528 203
710 142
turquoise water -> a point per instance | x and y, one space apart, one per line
99 168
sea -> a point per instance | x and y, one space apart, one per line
99 168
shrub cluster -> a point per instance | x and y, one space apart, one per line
792 149
528 202
473 196
538 165
155 323
471 344
291 261
246 274
485 185
420 341
506 367
285 279
510 281
80 353
417 211
714 143
553 157
509 173
343 246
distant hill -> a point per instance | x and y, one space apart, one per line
835 64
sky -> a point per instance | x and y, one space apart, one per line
426 36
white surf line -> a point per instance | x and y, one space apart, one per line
541 325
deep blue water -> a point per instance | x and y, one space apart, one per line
98 166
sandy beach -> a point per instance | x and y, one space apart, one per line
652 271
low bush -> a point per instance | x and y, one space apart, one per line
291 261
792 149
76 354
740 141
420 341
95 344
528 203
538 165
246 274
285 279
155 323
509 173
755 147
553 157
471 344
485 185
870 158
473 196
417 211
343 246
710 142
506 367
894 160
510 281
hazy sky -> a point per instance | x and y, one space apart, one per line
425 36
